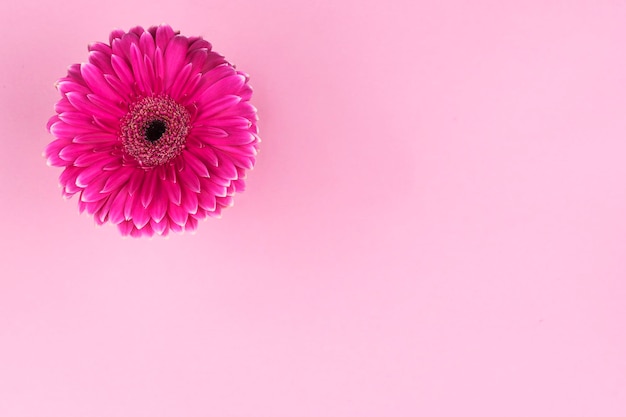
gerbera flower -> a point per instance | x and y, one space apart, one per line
154 133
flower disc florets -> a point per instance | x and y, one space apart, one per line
154 131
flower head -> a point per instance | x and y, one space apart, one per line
154 133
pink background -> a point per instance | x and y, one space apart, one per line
435 226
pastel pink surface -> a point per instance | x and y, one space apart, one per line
435 224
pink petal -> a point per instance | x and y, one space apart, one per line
77 119
90 173
105 211
214 60
189 201
197 58
131 201
52 151
177 214
196 43
137 30
241 161
188 89
231 123
243 109
230 84
206 200
202 131
147 62
176 228
206 155
237 138
102 60
81 103
175 57
108 106
159 226
116 34
172 190
179 82
126 227
146 43
195 164
136 181
245 151
217 106
144 231
68 179
114 164
192 224
122 69
116 213
65 86
139 70
189 180
74 74
97 83
90 158
71 151
170 172
158 207
213 188
117 180
208 80
123 90
93 192
225 201
95 138
163 35
239 184
226 168
159 71
218 177
147 191
140 215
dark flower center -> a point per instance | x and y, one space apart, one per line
155 130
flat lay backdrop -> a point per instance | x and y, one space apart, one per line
436 224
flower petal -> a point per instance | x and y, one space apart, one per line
146 43
163 35
177 214
159 71
179 82
139 70
122 70
71 151
139 214
159 226
189 180
158 207
83 104
117 180
148 189
198 167
206 200
175 57
189 201
173 192
96 81
116 212
90 173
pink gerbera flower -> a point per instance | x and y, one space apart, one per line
154 133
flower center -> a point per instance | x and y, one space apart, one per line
154 130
